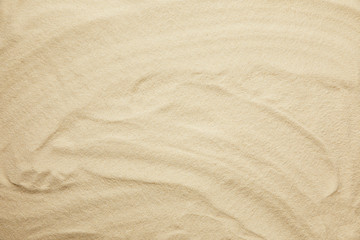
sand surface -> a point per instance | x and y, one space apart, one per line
174 120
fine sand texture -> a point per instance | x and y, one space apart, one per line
179 119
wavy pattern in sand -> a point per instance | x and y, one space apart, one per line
179 120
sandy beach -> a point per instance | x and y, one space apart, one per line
175 120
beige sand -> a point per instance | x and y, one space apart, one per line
193 119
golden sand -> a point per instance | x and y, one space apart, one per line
174 120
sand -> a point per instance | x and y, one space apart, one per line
208 120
